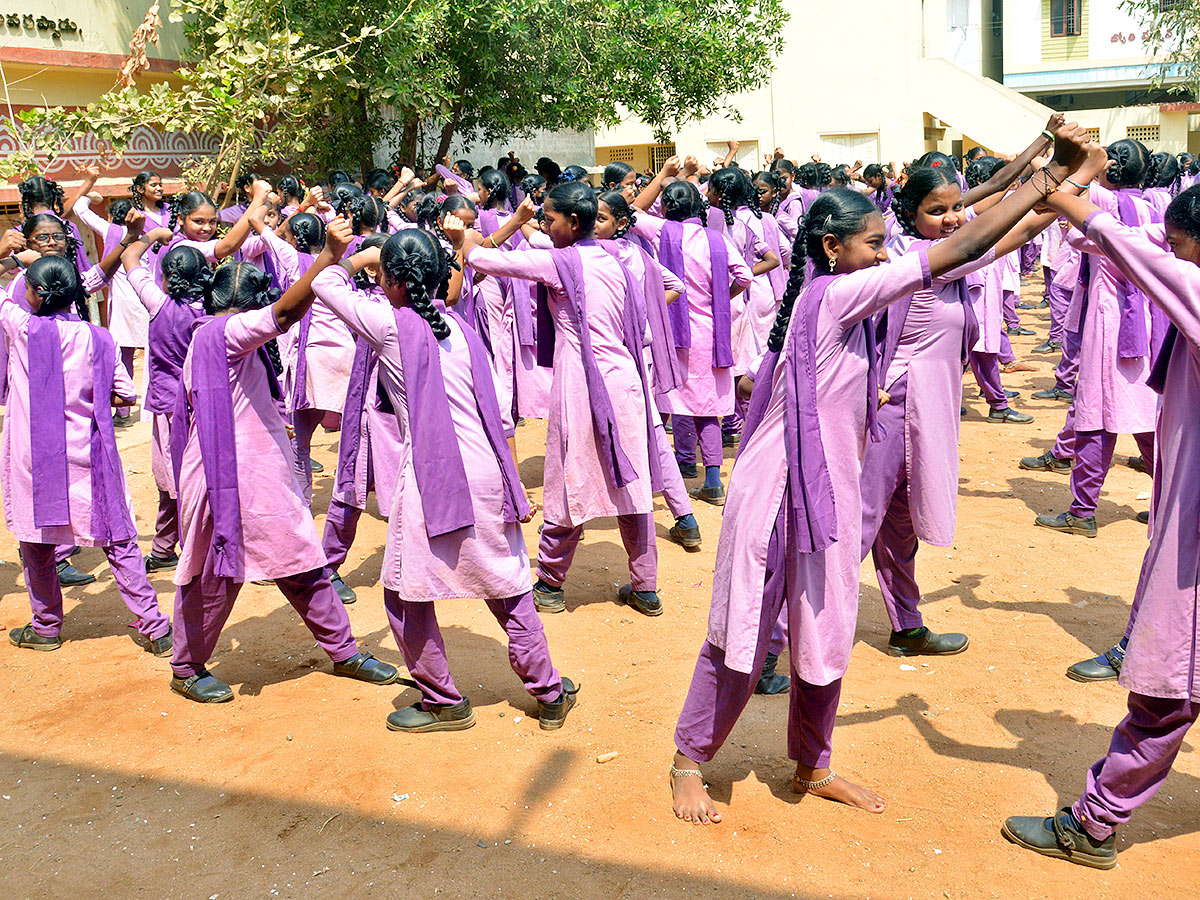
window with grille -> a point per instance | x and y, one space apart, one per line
1166 5
1066 18
1147 134
659 154
1093 134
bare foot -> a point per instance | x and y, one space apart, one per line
689 798
838 789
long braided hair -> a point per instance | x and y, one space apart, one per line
733 188
619 208
33 221
308 232
772 179
186 274
840 212
243 286
57 282
39 191
138 184
413 258
681 201
907 200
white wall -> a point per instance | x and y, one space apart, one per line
874 81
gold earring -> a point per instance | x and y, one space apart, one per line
832 263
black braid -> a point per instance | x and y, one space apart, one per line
791 292
419 301
840 212
272 348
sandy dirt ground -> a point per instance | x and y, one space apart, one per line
112 786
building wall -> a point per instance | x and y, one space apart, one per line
868 96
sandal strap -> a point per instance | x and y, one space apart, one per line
815 785
1115 657
683 773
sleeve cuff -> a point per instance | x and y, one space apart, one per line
926 272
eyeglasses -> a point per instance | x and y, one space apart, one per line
55 237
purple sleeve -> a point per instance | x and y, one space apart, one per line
855 296
738 268
246 332
151 295
285 256
123 385
98 224
94 279
531 265
671 281
373 322
231 214
1142 257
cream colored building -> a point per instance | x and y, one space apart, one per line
881 81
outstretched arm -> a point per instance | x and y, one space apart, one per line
291 307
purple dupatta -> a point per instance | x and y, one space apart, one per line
437 457
111 521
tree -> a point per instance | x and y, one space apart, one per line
320 83
249 80
486 71
1172 35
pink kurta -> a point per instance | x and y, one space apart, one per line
16 466
1161 658
706 391
380 449
1111 393
576 487
930 354
753 325
278 534
152 298
822 590
486 561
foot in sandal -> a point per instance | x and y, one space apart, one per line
828 784
689 798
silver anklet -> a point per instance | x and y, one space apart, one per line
680 773
816 785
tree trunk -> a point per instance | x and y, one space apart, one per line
448 132
408 143
227 191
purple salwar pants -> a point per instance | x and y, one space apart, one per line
305 422
887 529
1012 318
1067 372
1059 299
166 526
62 552
203 605
707 429
1064 444
1143 749
986 367
341 525
718 694
416 630
557 548
45 593
674 491
1093 455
